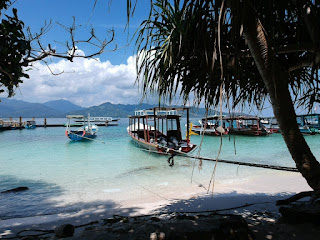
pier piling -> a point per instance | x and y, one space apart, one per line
20 123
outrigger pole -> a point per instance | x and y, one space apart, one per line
257 165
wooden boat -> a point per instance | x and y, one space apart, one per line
159 130
271 124
14 125
30 124
9 125
85 132
109 121
306 130
211 126
246 125
112 121
4 125
309 123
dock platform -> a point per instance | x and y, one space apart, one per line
63 125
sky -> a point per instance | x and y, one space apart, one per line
109 77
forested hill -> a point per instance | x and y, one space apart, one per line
61 108
125 110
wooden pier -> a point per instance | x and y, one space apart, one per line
63 125
12 124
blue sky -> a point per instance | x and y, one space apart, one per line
104 16
109 77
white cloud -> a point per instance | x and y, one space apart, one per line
85 82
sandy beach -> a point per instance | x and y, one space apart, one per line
252 198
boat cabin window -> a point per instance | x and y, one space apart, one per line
247 123
173 129
172 124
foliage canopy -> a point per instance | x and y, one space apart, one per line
13 47
199 44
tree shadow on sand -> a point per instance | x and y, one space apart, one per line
258 209
35 207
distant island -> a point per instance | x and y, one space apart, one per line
61 108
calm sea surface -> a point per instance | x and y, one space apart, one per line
65 176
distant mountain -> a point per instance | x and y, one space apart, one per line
112 110
18 108
63 106
124 110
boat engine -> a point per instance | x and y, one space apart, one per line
174 141
162 141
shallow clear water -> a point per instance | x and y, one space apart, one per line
65 176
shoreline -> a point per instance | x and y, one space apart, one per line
262 192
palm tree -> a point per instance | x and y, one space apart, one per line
252 49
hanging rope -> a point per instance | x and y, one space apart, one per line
202 131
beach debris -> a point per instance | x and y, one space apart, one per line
157 236
162 236
300 213
192 227
64 230
153 236
14 190
155 219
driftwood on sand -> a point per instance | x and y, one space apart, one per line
300 212
14 190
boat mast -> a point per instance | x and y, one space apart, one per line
155 124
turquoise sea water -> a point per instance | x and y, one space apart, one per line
64 176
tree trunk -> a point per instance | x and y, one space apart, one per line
276 82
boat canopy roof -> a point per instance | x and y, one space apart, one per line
214 117
166 112
242 118
30 121
75 116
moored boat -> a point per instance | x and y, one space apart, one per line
246 125
8 125
85 132
30 124
211 125
159 130
306 130
271 124
112 121
308 124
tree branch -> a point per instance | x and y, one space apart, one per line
70 53
301 64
